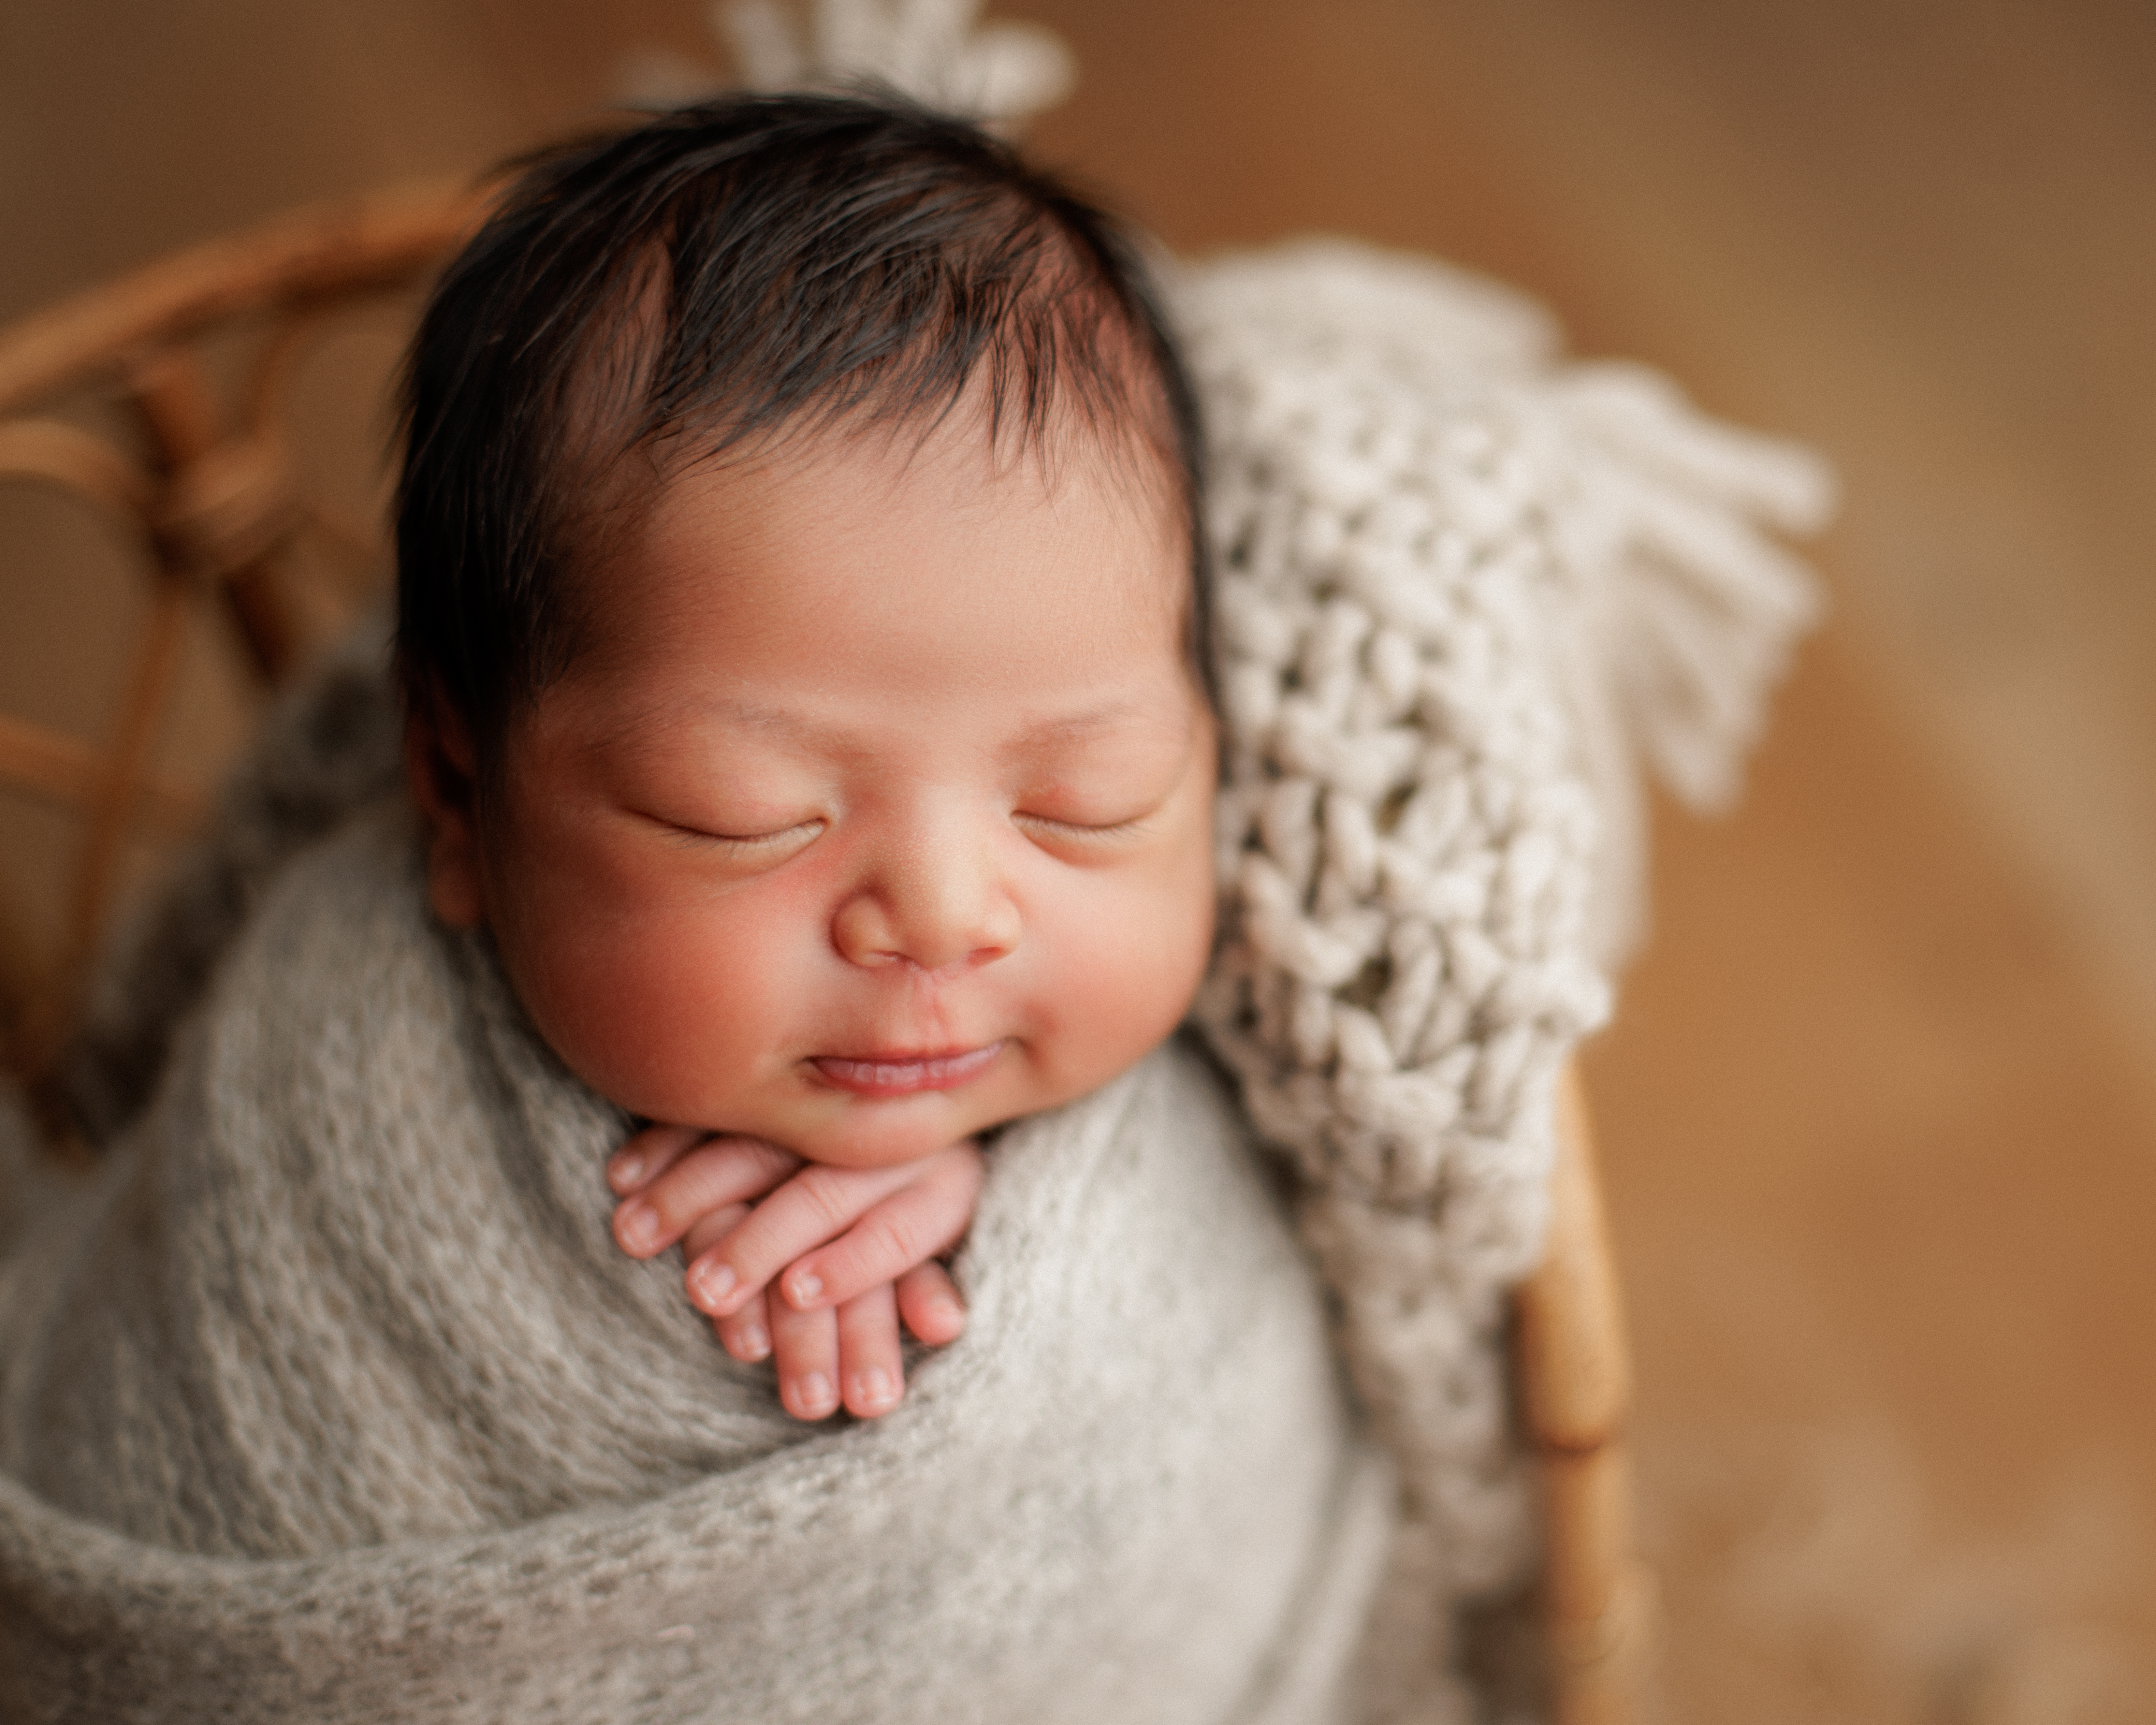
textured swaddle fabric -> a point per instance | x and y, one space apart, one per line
338 1403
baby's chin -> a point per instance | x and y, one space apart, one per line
840 1130
831 1124
856 1131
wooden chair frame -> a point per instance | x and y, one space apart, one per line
214 508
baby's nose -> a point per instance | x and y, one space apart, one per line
937 906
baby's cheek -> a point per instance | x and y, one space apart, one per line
1133 964
659 1014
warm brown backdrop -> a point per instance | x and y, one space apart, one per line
1880 1107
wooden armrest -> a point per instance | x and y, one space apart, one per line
1574 1376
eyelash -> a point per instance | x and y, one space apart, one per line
729 841
1114 830
744 845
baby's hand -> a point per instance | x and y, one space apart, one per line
744 1211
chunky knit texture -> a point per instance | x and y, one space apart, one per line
999 74
1458 586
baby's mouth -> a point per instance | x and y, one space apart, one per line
903 1073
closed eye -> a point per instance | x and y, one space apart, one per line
744 845
1083 831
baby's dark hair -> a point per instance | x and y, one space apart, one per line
725 273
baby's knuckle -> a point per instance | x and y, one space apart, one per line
687 1195
827 1194
896 1239
699 1169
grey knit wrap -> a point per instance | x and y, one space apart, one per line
335 1401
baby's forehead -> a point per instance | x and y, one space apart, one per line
867 580
957 476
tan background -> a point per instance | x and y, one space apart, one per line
1880 1107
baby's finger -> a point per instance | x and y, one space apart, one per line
708 1230
718 1172
928 1301
868 1365
816 1205
649 1155
927 1216
745 1335
806 1345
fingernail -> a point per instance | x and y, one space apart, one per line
813 1395
637 1227
949 1310
625 1171
752 1342
805 1288
872 1388
711 1284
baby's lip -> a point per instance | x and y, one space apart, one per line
901 1072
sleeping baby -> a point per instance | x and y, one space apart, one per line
803 658
811 765
803 856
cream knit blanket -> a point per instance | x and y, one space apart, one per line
1464 591
339 1403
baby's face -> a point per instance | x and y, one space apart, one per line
874 810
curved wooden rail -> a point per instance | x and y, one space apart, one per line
213 509
327 252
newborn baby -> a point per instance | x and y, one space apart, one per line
829 760
809 729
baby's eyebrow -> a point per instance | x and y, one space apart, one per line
644 727
1147 723
1076 727
1043 737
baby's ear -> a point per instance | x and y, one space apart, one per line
443 770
